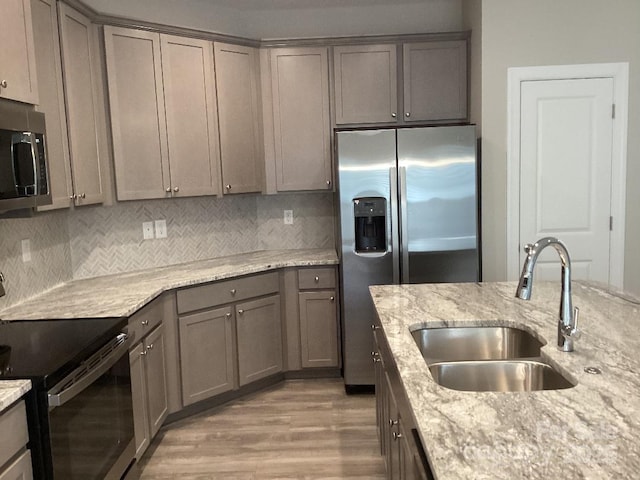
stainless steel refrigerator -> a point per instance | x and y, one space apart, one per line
408 202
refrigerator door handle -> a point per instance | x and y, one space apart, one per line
393 231
404 228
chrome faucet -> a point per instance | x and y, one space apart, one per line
568 316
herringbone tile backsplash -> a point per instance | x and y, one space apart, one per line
96 240
108 240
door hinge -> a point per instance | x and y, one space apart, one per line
613 110
611 224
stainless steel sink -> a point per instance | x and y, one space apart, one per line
475 343
498 376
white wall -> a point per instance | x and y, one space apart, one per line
342 19
551 32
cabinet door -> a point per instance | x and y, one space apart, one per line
19 469
381 402
239 118
134 75
51 90
366 87
18 79
259 339
156 375
435 81
190 103
79 68
393 445
300 88
139 396
318 329
206 354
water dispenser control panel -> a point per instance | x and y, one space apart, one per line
370 217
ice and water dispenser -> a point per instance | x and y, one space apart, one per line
370 224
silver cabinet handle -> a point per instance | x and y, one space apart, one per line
176 189
393 114
317 279
331 299
393 422
408 114
227 186
228 315
150 347
168 190
375 327
73 197
143 353
144 323
83 195
233 291
4 84
240 312
396 436
328 183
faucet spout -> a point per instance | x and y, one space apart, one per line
567 319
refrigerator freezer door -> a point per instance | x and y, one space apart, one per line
438 191
366 166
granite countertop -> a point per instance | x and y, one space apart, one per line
12 390
591 431
121 295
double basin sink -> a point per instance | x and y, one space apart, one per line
487 359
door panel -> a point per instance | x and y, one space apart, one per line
565 172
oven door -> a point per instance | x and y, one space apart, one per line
91 417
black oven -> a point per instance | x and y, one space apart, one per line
80 411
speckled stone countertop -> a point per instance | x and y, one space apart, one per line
591 431
123 294
12 390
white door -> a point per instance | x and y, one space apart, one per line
566 135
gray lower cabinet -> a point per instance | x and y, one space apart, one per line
318 312
207 354
402 450
15 459
259 339
230 334
148 387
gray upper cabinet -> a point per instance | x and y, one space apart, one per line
239 114
435 81
138 123
365 83
51 90
302 129
82 79
190 102
431 86
162 99
18 79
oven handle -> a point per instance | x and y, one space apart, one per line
83 376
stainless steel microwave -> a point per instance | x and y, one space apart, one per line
24 177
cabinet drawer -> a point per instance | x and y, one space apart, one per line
145 320
312 278
20 469
219 293
13 432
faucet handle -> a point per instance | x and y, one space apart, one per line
575 332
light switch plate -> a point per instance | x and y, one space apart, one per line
288 217
161 229
147 230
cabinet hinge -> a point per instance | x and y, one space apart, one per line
611 224
613 110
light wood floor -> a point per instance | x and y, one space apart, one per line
298 429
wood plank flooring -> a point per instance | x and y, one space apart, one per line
298 429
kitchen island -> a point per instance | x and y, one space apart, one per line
590 431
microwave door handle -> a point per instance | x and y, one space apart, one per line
61 393
19 139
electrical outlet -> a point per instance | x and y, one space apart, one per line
147 230
288 217
26 250
161 229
